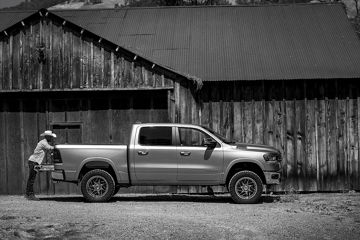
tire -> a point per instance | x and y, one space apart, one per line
245 187
97 186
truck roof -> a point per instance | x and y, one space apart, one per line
167 124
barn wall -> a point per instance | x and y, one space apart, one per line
83 90
315 124
71 61
90 118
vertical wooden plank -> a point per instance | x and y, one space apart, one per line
3 147
227 118
10 62
247 92
353 143
322 146
97 67
13 153
46 66
342 138
49 44
215 109
1 65
102 67
21 59
5 64
310 144
85 118
331 161
107 69
56 57
76 59
291 166
70 53
238 114
299 134
67 47
86 63
39 45
358 142
258 122
15 61
301 161
22 147
112 70
26 59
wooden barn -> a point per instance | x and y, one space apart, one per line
283 75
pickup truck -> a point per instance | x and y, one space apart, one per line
169 154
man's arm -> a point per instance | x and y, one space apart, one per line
46 146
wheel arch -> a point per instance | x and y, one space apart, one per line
97 163
242 166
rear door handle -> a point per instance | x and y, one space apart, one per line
185 153
143 153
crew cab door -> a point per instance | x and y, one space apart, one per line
197 163
155 155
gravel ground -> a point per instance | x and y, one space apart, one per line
294 216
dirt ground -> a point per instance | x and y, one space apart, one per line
293 216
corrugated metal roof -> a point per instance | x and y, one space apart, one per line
220 43
9 18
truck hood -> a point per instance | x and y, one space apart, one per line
256 147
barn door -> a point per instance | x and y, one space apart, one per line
67 133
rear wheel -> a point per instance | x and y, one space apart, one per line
245 187
97 186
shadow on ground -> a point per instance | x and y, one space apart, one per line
162 198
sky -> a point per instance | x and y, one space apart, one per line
9 3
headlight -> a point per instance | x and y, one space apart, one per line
272 157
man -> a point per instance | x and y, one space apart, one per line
35 159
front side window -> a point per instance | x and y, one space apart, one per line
155 136
191 137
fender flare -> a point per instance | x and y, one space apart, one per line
97 159
241 160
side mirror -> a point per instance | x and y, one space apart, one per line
209 142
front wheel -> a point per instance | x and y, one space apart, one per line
245 187
97 186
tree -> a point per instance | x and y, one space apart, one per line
35 4
154 3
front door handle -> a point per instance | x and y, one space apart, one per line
185 153
143 153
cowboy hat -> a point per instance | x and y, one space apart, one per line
48 133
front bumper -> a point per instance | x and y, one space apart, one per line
272 178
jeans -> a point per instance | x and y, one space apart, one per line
31 179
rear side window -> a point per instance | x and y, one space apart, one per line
155 136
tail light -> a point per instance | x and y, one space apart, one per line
56 156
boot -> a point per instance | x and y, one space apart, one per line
31 197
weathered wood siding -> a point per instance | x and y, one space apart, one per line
83 90
314 123
71 61
81 117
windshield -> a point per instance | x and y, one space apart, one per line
219 136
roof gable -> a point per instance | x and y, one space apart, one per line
9 27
